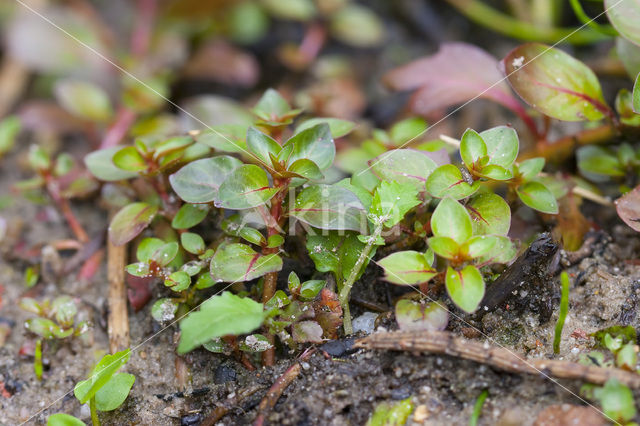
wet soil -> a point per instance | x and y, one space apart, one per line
329 390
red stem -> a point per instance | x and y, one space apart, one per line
141 36
118 130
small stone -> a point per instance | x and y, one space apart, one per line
567 414
421 414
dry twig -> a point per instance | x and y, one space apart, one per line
442 342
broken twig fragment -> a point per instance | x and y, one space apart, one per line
443 342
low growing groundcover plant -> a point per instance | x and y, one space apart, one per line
254 231
265 186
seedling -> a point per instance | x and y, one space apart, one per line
55 321
105 389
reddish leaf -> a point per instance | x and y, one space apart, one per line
457 73
628 207
219 61
138 291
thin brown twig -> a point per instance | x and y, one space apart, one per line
446 343
118 320
273 394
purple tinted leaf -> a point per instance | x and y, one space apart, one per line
628 207
456 73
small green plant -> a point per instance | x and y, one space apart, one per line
105 389
564 310
477 408
56 321
615 398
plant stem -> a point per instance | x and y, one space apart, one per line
37 359
271 279
564 309
53 189
94 412
348 284
499 22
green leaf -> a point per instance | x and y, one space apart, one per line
391 413
447 181
130 160
189 215
472 148
245 187
554 83
407 130
624 16
271 105
405 166
100 164
38 158
502 145
307 169
315 144
599 161
65 310
239 262
337 126
357 26
254 343
297 10
310 289
336 253
490 214
538 197
226 314
616 401
84 100
162 254
147 248
451 219
61 419
225 138
100 375
200 180
193 243
392 201
407 268
262 145
636 95
46 328
164 310
444 247
329 207
495 172
530 168
503 251
465 287
130 221
478 246
178 281
114 392
9 129
418 316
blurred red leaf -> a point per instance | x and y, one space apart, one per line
628 207
221 62
457 73
47 116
